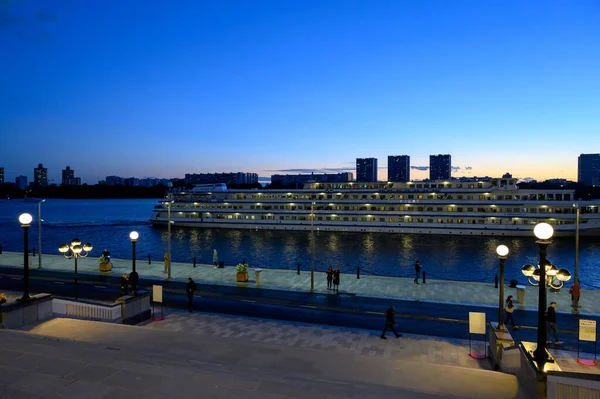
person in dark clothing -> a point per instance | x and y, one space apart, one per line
551 321
390 323
106 254
329 278
336 280
124 284
417 272
509 308
133 280
190 289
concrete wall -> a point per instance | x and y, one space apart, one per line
18 314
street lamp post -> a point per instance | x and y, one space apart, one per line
576 290
75 250
25 219
502 252
543 232
169 238
312 247
133 236
40 233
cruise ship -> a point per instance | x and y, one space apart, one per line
488 207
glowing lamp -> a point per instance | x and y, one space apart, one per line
502 250
25 219
134 235
563 275
543 231
528 270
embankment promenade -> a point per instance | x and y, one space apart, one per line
442 291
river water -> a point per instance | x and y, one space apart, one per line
107 223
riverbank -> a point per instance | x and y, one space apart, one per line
440 291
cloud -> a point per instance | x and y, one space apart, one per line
419 167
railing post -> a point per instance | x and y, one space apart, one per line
357 272
298 269
194 261
496 281
0 249
424 277
149 259
33 252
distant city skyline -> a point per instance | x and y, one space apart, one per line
274 86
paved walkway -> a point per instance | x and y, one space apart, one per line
402 288
98 360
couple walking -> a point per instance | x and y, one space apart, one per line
333 279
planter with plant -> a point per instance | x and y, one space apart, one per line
105 265
242 272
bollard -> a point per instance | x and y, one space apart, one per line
149 259
194 261
496 281
357 272
298 269
33 252
424 277
0 249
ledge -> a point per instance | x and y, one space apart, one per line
18 304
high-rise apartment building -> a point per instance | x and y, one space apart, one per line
40 175
399 168
440 167
1 176
588 169
366 169
21 182
69 179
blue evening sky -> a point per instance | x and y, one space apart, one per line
164 88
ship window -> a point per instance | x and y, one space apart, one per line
567 197
400 196
541 197
459 185
355 196
320 218
459 197
440 220
480 209
481 221
391 208
345 219
459 209
449 209
532 210
439 209
449 220
373 208
281 217
482 197
480 185
354 219
550 197
559 197
364 197
460 221
419 220
429 220
382 219
425 185
420 209
293 217
382 196
392 220
328 218
382 208
410 196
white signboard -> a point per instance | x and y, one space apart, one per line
157 293
476 323
587 330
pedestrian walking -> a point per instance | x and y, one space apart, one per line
215 258
124 284
509 308
336 280
390 323
575 292
417 272
551 321
329 278
133 280
190 288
